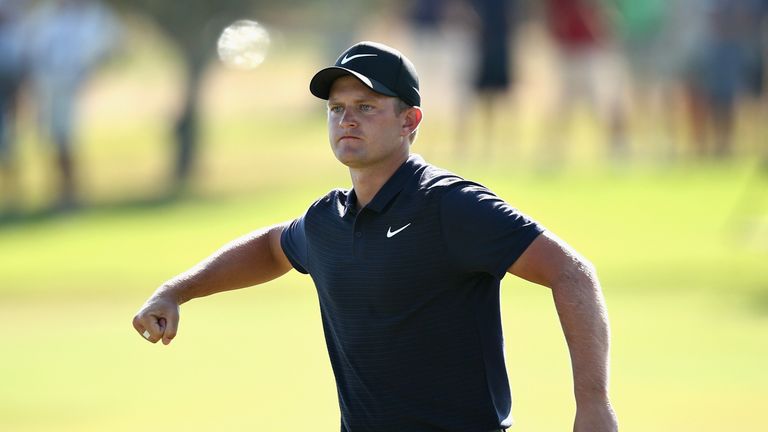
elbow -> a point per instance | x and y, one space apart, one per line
578 289
587 268
577 272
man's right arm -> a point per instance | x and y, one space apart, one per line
249 260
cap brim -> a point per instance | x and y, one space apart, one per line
321 83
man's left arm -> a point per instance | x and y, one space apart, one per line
580 305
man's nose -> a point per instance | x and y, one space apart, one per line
348 119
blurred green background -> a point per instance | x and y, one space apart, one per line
680 244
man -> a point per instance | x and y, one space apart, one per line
12 74
69 38
407 267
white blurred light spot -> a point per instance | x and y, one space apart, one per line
244 44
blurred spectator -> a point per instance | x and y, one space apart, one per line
588 73
426 19
469 46
756 46
426 14
720 74
441 32
493 66
342 27
649 57
11 76
660 39
67 40
755 72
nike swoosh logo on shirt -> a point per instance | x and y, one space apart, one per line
347 59
391 233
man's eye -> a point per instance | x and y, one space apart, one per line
335 109
365 108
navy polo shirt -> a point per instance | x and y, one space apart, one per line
409 298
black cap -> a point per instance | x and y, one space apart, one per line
384 69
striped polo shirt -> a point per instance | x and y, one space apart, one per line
409 297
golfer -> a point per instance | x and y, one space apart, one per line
407 266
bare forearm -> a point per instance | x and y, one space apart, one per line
584 319
549 261
249 260
246 261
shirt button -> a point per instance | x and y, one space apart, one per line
358 234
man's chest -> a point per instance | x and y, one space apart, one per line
391 259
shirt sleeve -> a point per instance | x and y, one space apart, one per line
482 232
294 243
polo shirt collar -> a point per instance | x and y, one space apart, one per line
390 189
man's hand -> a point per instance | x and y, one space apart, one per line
252 259
595 417
158 319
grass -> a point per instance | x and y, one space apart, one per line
689 341
682 268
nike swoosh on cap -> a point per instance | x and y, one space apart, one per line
347 59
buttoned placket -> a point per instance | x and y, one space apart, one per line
358 236
363 216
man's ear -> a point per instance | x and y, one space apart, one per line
412 120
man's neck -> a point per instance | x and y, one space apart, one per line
368 181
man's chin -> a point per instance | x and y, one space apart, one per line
351 163
348 158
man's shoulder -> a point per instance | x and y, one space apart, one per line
334 201
434 180
333 195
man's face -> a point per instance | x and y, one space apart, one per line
363 126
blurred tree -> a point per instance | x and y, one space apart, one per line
193 28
